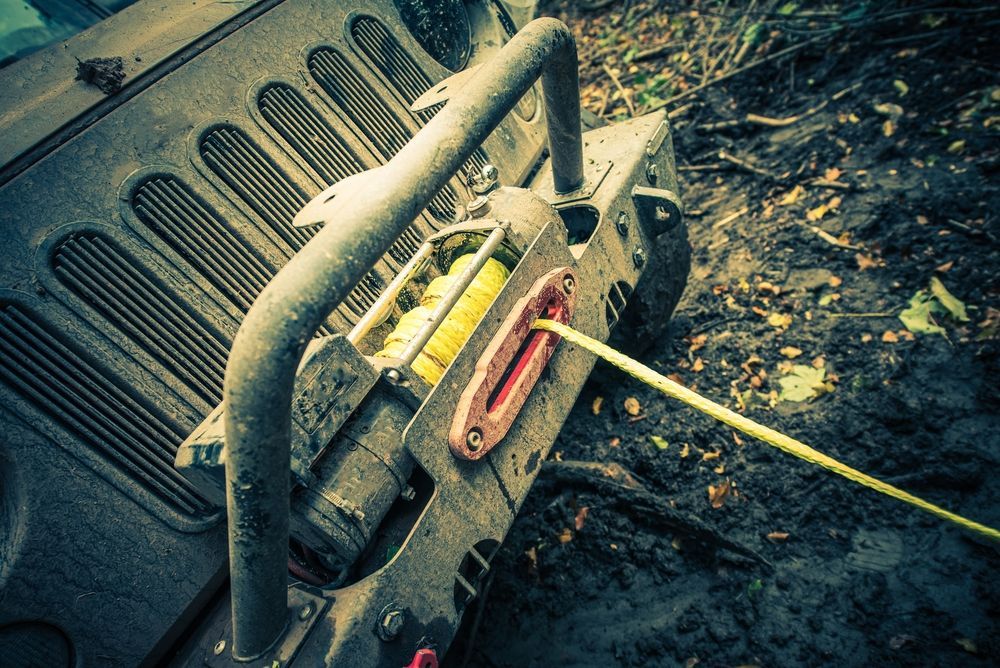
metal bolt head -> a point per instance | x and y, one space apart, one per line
474 439
569 285
639 257
305 612
220 647
486 180
478 207
622 223
408 493
652 172
393 376
391 624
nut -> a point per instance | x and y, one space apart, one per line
391 624
652 172
305 612
569 285
220 647
639 257
622 223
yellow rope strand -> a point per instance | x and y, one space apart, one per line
456 327
785 443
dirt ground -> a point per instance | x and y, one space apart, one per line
872 172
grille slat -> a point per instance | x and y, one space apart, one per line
95 270
225 259
381 127
406 76
66 384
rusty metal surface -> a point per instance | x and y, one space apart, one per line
510 366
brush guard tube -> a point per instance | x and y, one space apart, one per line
270 343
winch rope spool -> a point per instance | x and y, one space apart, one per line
456 328
773 438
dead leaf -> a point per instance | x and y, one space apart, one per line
901 87
717 495
696 342
832 174
866 338
676 377
595 407
866 262
759 311
777 536
956 146
581 517
819 362
922 220
685 451
889 336
632 406
737 440
709 456
888 128
660 442
791 352
780 320
698 366
615 442
565 536
946 267
817 213
767 286
804 383
835 281
792 196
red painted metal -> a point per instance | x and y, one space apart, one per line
510 366
424 658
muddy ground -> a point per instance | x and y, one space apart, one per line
907 130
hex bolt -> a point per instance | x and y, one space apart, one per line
391 624
393 376
408 493
622 223
569 285
652 172
474 439
479 206
220 647
639 257
305 612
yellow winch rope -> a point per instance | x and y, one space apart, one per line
785 443
456 328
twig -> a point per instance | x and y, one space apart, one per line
642 504
968 229
743 164
715 323
730 218
710 167
830 239
621 89
757 119
739 70
861 315
827 183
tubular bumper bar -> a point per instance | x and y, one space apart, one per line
272 339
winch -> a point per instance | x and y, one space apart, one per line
412 440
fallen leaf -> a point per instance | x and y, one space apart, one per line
922 220
632 406
697 342
905 335
954 305
832 174
919 318
889 336
780 320
767 286
709 456
698 366
956 146
759 311
660 442
835 281
866 338
817 213
615 442
595 407
720 469
819 362
717 495
792 196
581 517
866 261
676 377
777 536
791 352
944 268
968 645
901 87
889 109
804 383
888 128
565 536
737 440
685 451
